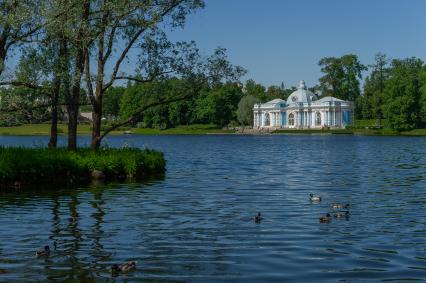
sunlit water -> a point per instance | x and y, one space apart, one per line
196 224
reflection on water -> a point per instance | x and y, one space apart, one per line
196 224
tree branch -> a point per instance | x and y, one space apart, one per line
24 84
139 80
133 40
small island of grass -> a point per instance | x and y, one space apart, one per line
32 167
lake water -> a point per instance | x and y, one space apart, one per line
195 225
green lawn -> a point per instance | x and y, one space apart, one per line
40 130
183 130
44 129
313 131
416 132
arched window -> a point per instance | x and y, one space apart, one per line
318 119
291 119
267 119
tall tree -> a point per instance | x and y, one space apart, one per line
138 24
245 110
341 76
374 87
254 89
402 94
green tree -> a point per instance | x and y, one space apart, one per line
111 102
423 97
341 77
374 87
218 105
257 90
245 110
402 94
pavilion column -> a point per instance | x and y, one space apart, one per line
279 119
334 117
306 118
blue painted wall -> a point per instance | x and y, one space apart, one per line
347 118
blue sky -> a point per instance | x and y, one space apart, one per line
283 40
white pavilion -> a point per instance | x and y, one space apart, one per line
303 110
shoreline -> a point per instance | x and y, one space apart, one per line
84 130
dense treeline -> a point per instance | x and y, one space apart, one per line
394 90
218 104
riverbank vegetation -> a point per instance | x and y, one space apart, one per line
22 167
85 129
59 59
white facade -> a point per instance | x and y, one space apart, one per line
303 110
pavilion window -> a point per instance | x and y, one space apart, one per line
318 119
291 119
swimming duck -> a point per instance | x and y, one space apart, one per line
257 218
131 265
73 220
340 205
314 198
43 253
342 214
325 219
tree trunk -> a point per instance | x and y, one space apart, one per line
59 72
74 102
72 127
53 141
97 123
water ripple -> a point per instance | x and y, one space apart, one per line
196 224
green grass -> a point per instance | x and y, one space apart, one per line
84 129
40 130
371 123
313 131
415 132
33 166
196 129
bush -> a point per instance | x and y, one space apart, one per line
40 165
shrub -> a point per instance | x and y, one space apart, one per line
41 165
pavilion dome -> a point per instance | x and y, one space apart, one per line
302 94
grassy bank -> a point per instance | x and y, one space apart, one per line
44 130
365 132
313 131
197 129
38 166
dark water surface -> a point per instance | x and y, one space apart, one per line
195 225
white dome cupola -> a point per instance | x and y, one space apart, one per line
302 94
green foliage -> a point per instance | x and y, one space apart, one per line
245 109
256 90
162 116
218 105
402 94
40 165
341 76
111 102
19 106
